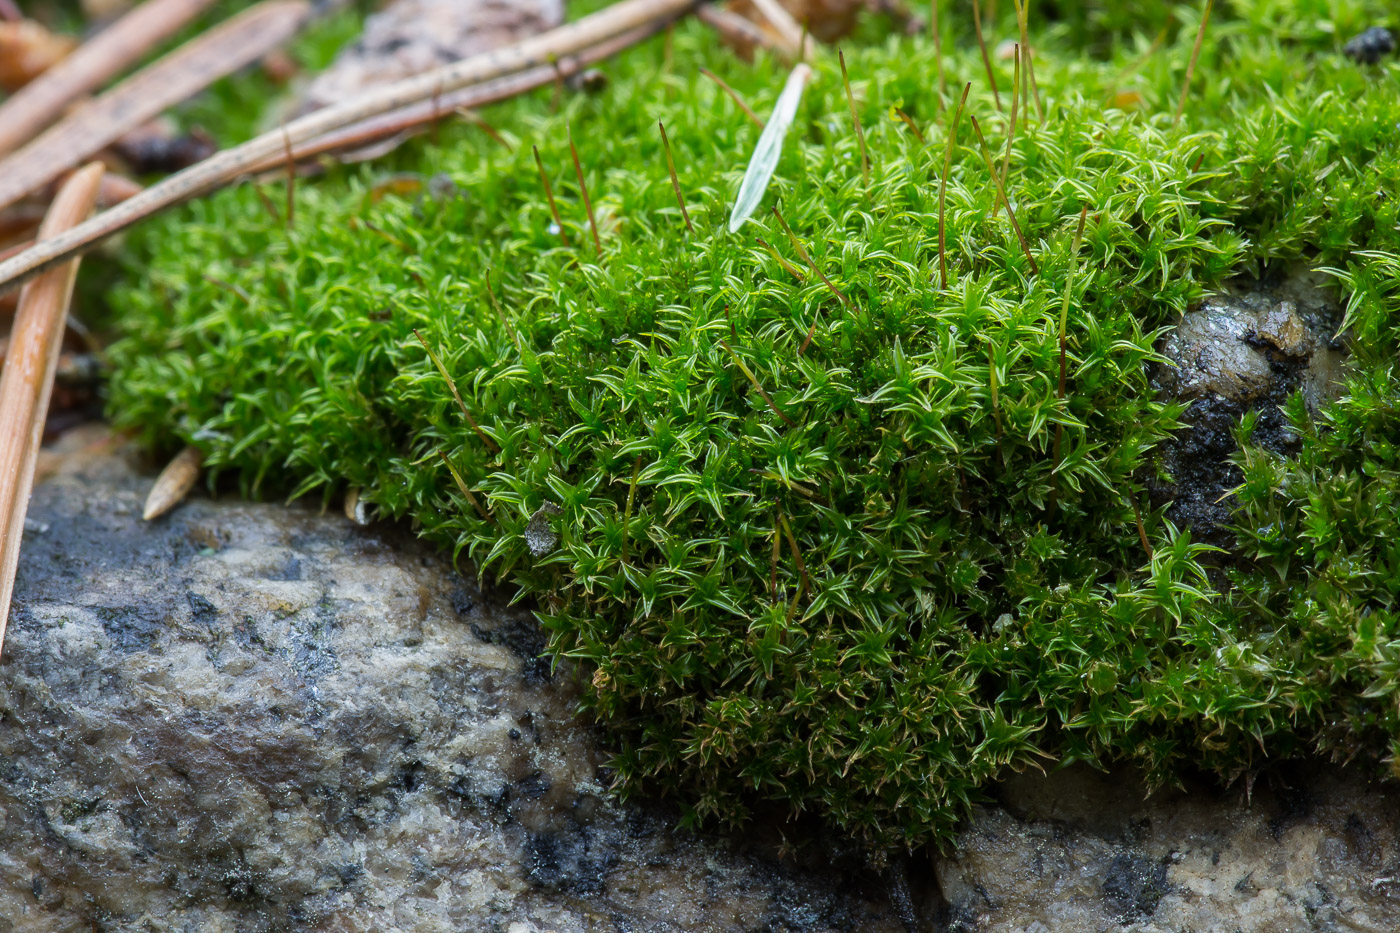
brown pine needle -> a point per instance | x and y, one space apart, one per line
1011 133
675 182
91 65
506 322
936 29
291 178
753 380
734 96
986 59
913 127
587 201
855 118
462 486
173 483
174 78
801 251
943 189
451 384
1191 67
991 168
27 380
789 267
549 193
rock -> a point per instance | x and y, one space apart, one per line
1247 349
1079 850
410 37
253 717
1370 46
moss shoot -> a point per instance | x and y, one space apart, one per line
827 533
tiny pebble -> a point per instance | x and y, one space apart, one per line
1370 46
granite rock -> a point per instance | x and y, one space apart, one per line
1308 847
253 717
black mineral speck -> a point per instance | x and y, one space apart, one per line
534 786
463 601
202 611
1370 46
1134 886
568 863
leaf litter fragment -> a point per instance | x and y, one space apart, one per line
769 148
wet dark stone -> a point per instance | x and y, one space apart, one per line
1245 351
1371 46
1134 886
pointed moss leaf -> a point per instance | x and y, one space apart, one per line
769 148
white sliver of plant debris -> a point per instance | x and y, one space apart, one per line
769 148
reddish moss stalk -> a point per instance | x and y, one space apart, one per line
753 380
855 118
442 370
986 59
734 96
549 193
675 182
587 201
992 169
943 190
936 29
1191 67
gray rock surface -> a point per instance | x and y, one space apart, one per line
1311 849
1256 339
1244 351
248 717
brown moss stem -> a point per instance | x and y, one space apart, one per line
675 182
1001 192
587 201
943 190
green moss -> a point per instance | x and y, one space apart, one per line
874 600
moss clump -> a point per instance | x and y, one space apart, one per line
872 586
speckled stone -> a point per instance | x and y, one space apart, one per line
1308 848
249 717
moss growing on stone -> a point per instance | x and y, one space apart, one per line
855 554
